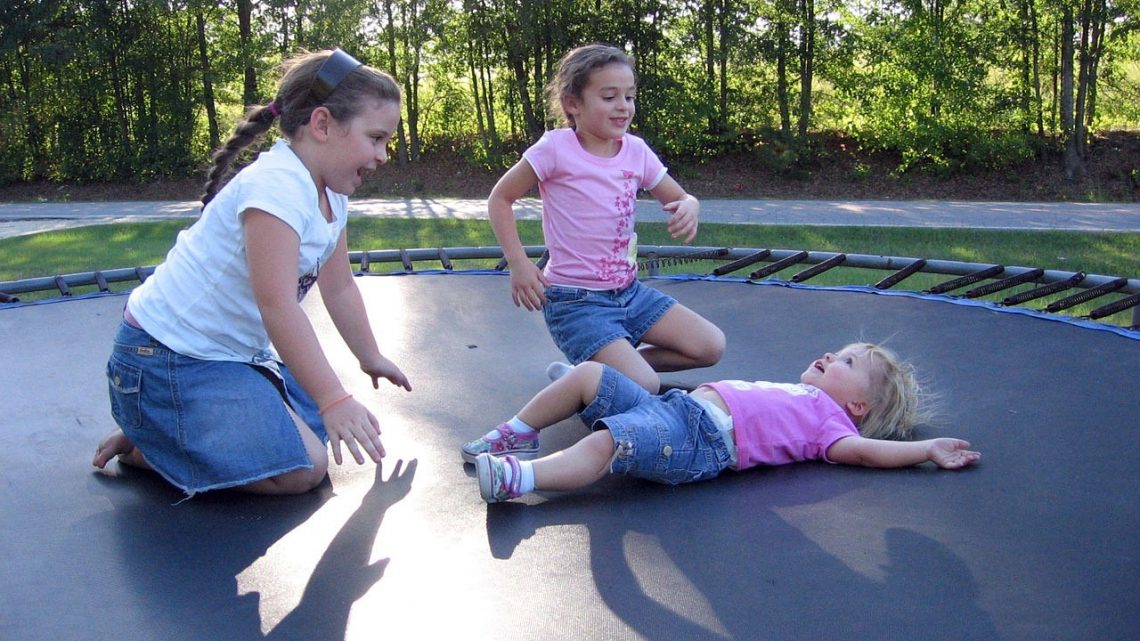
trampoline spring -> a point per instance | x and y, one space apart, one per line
1118 306
543 259
101 282
653 262
1005 283
741 263
823 266
364 262
502 265
444 259
900 275
1044 290
406 260
61 285
968 279
798 257
142 273
1087 295
8 298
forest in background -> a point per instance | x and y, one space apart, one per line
141 90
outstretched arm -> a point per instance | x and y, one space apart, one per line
946 453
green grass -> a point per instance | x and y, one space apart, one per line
140 244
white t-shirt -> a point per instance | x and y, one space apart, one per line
589 207
199 301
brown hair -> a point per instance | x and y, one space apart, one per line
573 73
294 105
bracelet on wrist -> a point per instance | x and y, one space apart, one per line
324 408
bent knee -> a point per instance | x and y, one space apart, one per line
298 481
710 349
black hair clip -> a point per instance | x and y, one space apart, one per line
332 72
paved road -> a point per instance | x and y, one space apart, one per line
27 218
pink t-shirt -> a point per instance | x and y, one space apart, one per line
778 423
588 209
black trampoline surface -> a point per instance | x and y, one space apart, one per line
1039 541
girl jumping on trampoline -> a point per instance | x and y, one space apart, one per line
843 407
217 378
588 175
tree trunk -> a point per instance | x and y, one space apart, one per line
393 68
245 30
1073 165
1035 35
207 82
782 46
807 64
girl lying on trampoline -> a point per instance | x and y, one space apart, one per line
843 407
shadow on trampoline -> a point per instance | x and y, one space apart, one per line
1036 542
182 559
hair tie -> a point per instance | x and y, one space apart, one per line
274 109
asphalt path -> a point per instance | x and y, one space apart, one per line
28 218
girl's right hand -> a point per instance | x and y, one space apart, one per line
528 285
351 423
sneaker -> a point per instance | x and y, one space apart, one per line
557 370
492 472
524 446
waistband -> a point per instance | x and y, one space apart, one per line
723 423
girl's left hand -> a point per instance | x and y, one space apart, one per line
683 219
380 367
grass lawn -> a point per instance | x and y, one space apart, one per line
105 247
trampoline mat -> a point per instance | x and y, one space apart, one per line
1036 542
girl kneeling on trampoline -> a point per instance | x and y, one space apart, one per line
844 404
217 379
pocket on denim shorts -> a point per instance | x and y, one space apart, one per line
125 385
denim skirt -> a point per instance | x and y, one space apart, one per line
207 425
583 321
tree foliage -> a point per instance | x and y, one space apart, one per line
97 90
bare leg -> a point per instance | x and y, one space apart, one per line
577 466
563 398
621 356
117 444
682 339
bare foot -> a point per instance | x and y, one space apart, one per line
114 444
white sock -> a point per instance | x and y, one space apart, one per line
526 482
557 370
516 424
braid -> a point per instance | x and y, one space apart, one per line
257 121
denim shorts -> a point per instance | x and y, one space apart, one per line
666 438
583 321
206 425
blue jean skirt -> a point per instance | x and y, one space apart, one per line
667 438
207 425
583 321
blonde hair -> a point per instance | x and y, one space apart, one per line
573 74
294 104
898 401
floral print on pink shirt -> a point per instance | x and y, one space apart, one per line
616 268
